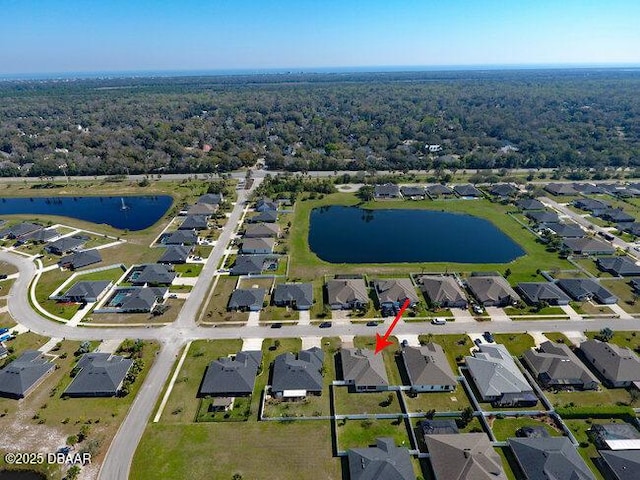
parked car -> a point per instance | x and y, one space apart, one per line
276 325
478 341
325 325
477 309
488 336
372 324
405 343
439 321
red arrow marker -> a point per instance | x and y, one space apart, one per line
383 342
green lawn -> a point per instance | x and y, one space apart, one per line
188 269
362 433
622 338
557 337
588 308
629 300
438 401
602 397
534 311
255 450
369 402
504 428
183 404
516 343
587 450
216 309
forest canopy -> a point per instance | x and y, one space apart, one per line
388 121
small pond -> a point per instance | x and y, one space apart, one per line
132 213
340 234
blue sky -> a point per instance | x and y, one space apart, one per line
115 35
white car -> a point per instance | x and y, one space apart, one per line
439 321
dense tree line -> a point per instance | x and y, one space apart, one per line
568 118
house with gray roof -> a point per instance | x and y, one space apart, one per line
66 244
467 191
464 456
492 290
620 464
85 291
99 375
268 216
544 216
554 365
615 436
498 378
181 237
294 295
24 374
80 259
247 299
298 376
615 215
347 293
388 190
265 204
175 254
584 289
385 461
211 198
588 246
530 204
438 190
393 292
565 231
231 376
363 370
20 230
560 189
621 266
503 190
152 274
619 366
262 230
253 264
41 236
590 204
194 222
413 193
536 292
258 245
553 458
442 291
428 369
134 300
202 210
588 188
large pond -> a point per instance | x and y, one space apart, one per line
131 213
354 235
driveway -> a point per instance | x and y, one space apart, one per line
304 317
573 315
619 310
462 315
254 319
538 338
497 314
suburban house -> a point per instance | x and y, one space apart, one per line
262 230
544 216
588 246
347 293
498 378
565 231
134 300
438 190
294 295
464 456
99 375
85 292
621 464
492 290
584 289
619 366
194 222
633 228
151 274
560 189
615 436
202 210
253 264
618 266
176 254
80 259
296 377
20 230
268 216
265 204
41 236
467 191
385 461
442 291
393 292
553 458
438 427
258 245
554 365
211 198
503 190
530 204
388 190
414 193
536 292
616 215
363 370
66 244
247 299
590 205
428 369
24 374
588 188
181 237
231 376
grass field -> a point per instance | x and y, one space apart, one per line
504 428
557 337
369 402
362 433
438 401
629 301
254 450
216 309
516 343
622 338
588 308
596 398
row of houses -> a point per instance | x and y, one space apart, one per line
413 192
95 375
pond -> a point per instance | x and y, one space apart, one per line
340 234
132 213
